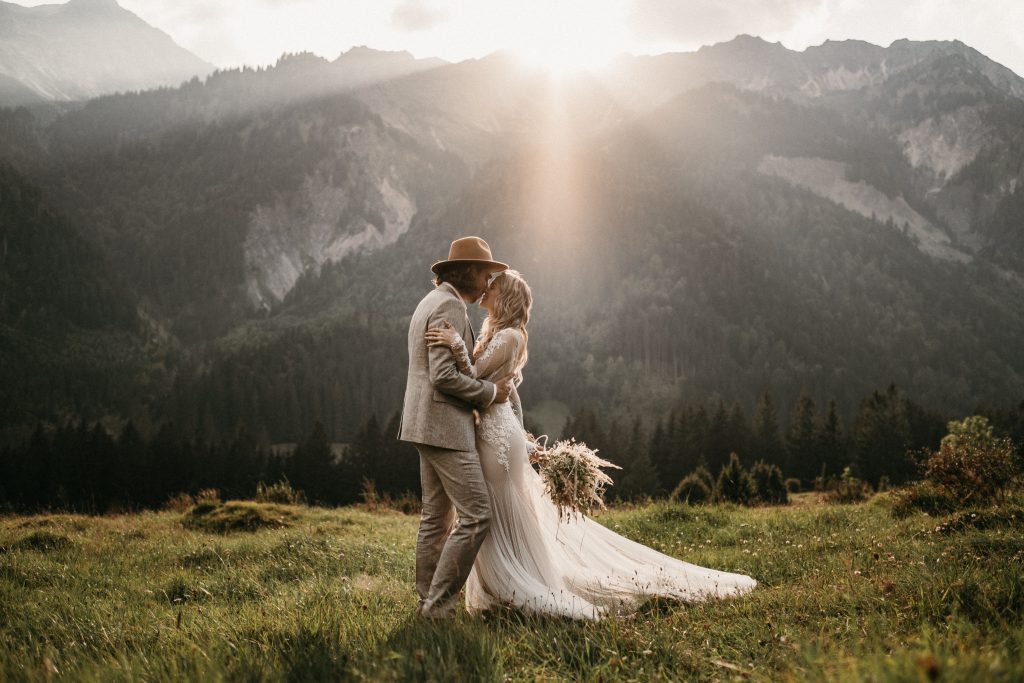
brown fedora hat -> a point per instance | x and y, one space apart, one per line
469 250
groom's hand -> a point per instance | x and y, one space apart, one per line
504 386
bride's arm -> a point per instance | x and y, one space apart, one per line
447 336
499 358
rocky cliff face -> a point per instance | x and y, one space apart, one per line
332 216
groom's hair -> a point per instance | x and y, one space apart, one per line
458 275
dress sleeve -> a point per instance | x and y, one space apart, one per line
462 359
444 373
498 360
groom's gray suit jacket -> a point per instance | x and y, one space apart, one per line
439 400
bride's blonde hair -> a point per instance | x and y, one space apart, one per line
511 309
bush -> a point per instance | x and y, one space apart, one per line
179 502
43 541
769 483
847 489
704 474
793 485
408 503
281 492
236 516
208 497
922 497
734 483
692 489
972 464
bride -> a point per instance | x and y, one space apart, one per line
532 560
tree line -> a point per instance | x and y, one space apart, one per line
84 467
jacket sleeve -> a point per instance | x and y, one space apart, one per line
443 371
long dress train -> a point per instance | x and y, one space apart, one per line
533 561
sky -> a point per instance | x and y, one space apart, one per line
566 33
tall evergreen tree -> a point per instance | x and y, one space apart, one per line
694 439
802 451
739 430
832 444
664 449
641 478
719 440
402 460
881 437
766 435
368 453
313 470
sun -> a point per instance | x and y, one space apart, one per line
563 59
566 36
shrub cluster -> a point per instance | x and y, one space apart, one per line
847 488
280 492
407 502
973 467
696 488
762 484
972 463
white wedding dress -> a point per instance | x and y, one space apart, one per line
533 561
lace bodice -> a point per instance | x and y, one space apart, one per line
498 360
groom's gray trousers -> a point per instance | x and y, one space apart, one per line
452 482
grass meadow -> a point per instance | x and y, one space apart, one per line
261 592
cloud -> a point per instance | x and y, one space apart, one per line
416 15
707 21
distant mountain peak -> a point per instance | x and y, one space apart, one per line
363 52
745 41
86 48
96 6
93 3
299 59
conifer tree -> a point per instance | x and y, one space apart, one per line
832 444
719 441
767 438
641 479
739 430
313 469
734 483
801 440
881 437
663 450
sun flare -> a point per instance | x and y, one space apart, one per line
565 36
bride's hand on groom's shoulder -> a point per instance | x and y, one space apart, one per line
442 336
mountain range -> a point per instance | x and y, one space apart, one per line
716 224
83 49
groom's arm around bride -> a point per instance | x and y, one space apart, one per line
437 418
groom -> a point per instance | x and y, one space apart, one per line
437 418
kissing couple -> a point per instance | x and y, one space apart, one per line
486 522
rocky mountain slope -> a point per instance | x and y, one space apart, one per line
739 219
83 49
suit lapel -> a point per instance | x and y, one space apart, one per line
465 309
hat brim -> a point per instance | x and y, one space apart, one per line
497 265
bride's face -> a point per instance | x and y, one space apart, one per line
491 295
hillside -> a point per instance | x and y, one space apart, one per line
698 226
